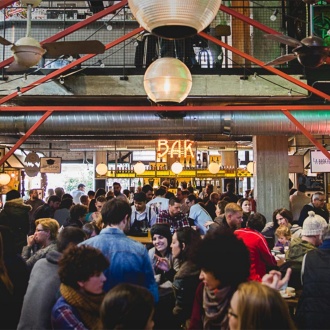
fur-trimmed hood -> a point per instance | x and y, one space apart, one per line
17 203
187 269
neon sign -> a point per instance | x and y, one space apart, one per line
178 147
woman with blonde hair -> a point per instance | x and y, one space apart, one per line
41 242
257 306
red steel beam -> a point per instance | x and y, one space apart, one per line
156 108
69 66
248 20
306 133
268 68
25 137
74 27
6 3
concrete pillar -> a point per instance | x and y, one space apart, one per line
99 157
271 178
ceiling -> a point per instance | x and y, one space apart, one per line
74 135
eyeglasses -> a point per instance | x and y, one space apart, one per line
231 313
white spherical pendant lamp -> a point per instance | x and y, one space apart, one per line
4 178
250 167
176 168
139 168
167 80
101 169
174 19
214 168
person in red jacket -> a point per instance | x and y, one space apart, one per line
260 255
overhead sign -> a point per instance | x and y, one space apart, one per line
319 162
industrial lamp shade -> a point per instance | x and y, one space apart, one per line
214 168
176 168
4 178
174 19
167 80
101 169
139 168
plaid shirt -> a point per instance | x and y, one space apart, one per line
178 221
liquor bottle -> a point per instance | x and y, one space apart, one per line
204 162
139 183
199 162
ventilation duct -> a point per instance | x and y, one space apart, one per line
128 124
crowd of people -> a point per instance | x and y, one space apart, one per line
69 261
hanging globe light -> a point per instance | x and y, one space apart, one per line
176 168
250 167
4 178
214 168
101 169
174 19
139 168
167 80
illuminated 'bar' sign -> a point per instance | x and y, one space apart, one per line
178 147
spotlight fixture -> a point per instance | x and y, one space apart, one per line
273 17
290 92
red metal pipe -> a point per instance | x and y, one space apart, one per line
58 72
25 137
74 27
82 108
268 68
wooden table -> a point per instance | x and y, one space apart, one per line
143 240
293 302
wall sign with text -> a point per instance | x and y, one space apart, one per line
319 162
50 165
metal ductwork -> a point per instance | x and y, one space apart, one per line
129 124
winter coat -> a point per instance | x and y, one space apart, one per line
314 303
15 215
185 284
42 293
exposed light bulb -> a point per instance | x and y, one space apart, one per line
273 17
61 80
109 27
290 92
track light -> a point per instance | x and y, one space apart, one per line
19 93
290 92
109 27
61 80
273 17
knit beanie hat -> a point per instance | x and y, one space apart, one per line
162 229
313 225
